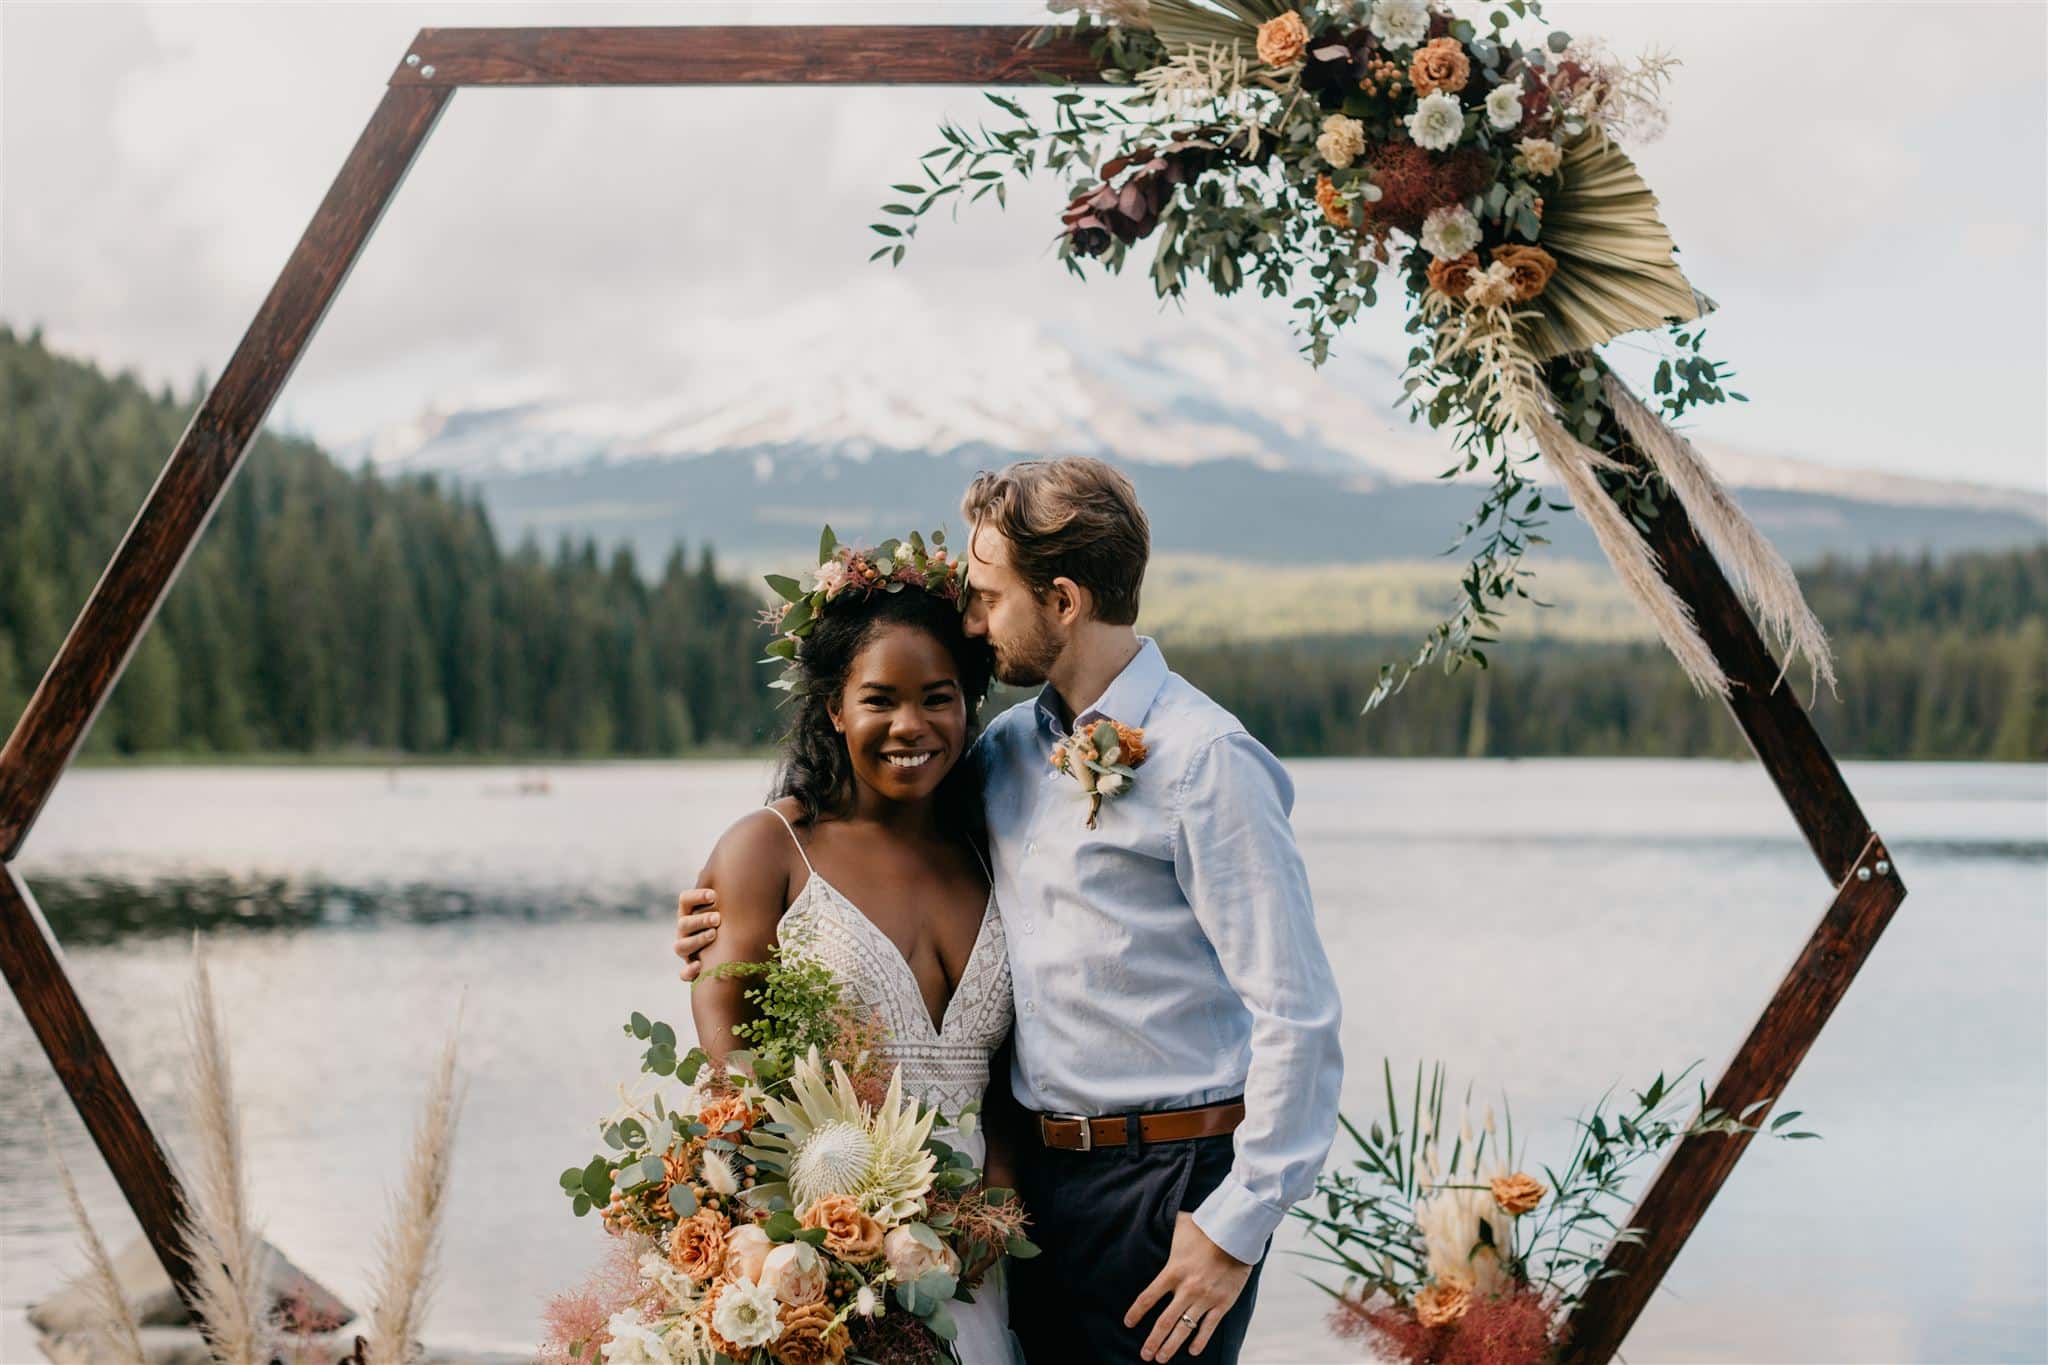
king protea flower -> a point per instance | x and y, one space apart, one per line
824 1141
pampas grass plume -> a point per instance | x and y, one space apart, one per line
407 1248
117 1321
226 1253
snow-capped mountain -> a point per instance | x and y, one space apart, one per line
881 365
878 400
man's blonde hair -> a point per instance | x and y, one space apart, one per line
1073 517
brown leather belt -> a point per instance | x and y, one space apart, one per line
1078 1133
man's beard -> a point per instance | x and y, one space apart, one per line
1027 661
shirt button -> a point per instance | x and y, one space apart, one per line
1031 847
1030 926
1031 1007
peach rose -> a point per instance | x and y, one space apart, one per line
1518 1193
1283 40
1336 212
795 1273
1442 1303
746 1250
697 1246
849 1234
1130 744
910 1258
1539 156
1453 277
718 1112
1440 65
810 1337
1529 269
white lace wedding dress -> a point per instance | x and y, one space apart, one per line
945 1067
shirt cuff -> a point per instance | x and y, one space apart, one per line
1238 1221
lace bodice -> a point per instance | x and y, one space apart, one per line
947 1067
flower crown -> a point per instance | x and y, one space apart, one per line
844 572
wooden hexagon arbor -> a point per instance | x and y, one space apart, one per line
1866 885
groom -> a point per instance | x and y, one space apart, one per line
1175 1047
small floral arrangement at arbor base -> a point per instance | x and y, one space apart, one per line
792 1209
1464 1258
1317 148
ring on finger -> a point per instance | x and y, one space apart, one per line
1190 1320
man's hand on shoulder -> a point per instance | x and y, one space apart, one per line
696 928
1200 1283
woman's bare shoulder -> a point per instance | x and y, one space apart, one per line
755 862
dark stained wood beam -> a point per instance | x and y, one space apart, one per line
207 455
833 54
1694 1170
28 957
1867 891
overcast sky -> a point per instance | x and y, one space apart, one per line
1862 187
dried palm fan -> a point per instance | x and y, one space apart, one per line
1199 25
1615 271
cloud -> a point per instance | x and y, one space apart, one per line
160 163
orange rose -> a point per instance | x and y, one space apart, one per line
1518 1193
1453 277
1336 212
1283 40
809 1336
849 1234
1529 267
1130 744
1440 65
718 1112
1442 1303
697 1246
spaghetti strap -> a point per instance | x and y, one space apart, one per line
793 839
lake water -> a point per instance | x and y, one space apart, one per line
1547 929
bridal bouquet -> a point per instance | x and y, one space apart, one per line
790 1208
1458 1256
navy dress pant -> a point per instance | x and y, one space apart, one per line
1104 1220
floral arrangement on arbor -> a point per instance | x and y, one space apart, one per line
1461 1257
794 1208
1319 150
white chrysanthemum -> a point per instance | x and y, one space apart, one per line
1450 232
1342 140
633 1342
679 1289
1504 106
747 1314
1437 123
826 1142
1399 23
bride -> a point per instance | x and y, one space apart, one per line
869 857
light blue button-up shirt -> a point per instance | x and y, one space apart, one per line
1168 958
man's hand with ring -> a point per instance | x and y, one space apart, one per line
1200 1283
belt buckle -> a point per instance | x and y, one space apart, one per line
1087 1130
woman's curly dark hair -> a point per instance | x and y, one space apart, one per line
816 769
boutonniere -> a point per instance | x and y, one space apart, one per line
1104 758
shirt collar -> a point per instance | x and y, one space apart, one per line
1128 698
